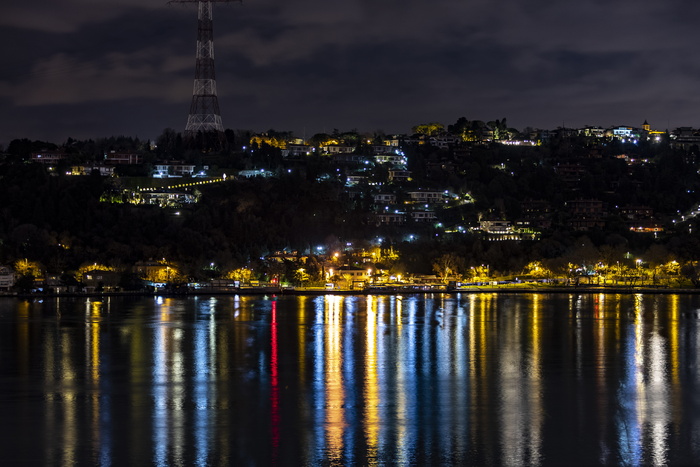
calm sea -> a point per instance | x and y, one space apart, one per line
441 379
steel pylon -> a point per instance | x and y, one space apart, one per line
204 116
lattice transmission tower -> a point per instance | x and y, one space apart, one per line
204 118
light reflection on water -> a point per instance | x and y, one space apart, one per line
505 379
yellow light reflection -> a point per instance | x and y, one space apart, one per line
93 339
69 428
92 336
479 388
23 337
535 382
371 393
335 392
673 324
301 336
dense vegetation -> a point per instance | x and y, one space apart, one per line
59 221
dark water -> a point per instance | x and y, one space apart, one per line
480 379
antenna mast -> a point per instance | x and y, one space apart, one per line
204 117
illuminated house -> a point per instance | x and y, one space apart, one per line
390 218
497 229
103 170
424 216
255 173
385 198
123 158
173 170
383 149
390 158
151 270
96 280
425 196
49 157
640 219
337 149
352 277
444 141
685 137
296 150
165 198
355 179
399 175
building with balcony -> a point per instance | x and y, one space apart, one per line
49 157
425 196
424 216
123 158
385 198
390 218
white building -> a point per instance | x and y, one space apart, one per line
390 218
296 150
385 198
425 196
424 216
173 170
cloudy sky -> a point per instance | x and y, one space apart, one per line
95 68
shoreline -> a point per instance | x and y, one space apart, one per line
368 291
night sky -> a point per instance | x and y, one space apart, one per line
95 68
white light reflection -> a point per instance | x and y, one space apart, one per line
407 377
520 386
371 392
204 373
629 397
168 389
348 306
658 416
335 391
319 382
512 404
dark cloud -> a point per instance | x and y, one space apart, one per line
88 69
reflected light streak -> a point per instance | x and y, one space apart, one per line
479 389
160 403
23 337
512 393
349 310
92 338
408 386
673 344
629 393
69 428
657 406
535 389
319 386
274 385
203 371
601 330
301 337
168 389
335 392
371 392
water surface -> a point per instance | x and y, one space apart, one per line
497 379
